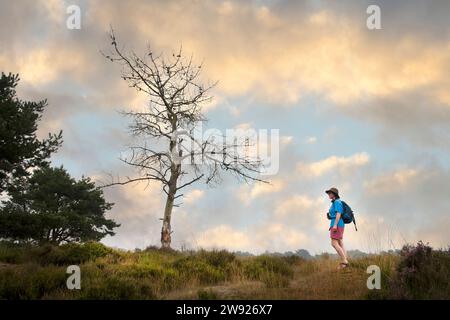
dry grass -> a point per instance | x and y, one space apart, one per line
315 279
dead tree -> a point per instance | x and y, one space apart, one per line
169 152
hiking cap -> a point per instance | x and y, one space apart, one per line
334 191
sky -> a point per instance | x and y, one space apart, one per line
366 111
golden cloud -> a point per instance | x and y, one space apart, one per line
254 50
319 168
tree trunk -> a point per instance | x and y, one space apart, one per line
166 229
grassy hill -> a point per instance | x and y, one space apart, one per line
28 272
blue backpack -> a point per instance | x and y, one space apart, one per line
347 216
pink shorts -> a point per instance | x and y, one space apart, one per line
337 234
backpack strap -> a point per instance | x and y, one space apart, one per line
335 211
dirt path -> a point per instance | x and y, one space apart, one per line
310 281
238 290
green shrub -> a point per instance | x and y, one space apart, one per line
207 267
268 263
10 253
96 249
193 268
67 254
155 257
273 271
139 271
219 259
31 282
167 252
117 288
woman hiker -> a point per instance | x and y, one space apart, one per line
337 226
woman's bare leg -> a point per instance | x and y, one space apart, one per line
341 244
339 250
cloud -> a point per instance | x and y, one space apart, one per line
436 233
244 127
138 209
248 193
329 164
256 239
327 53
311 140
193 196
263 52
412 118
303 211
262 189
297 203
280 237
223 236
286 140
393 182
411 202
